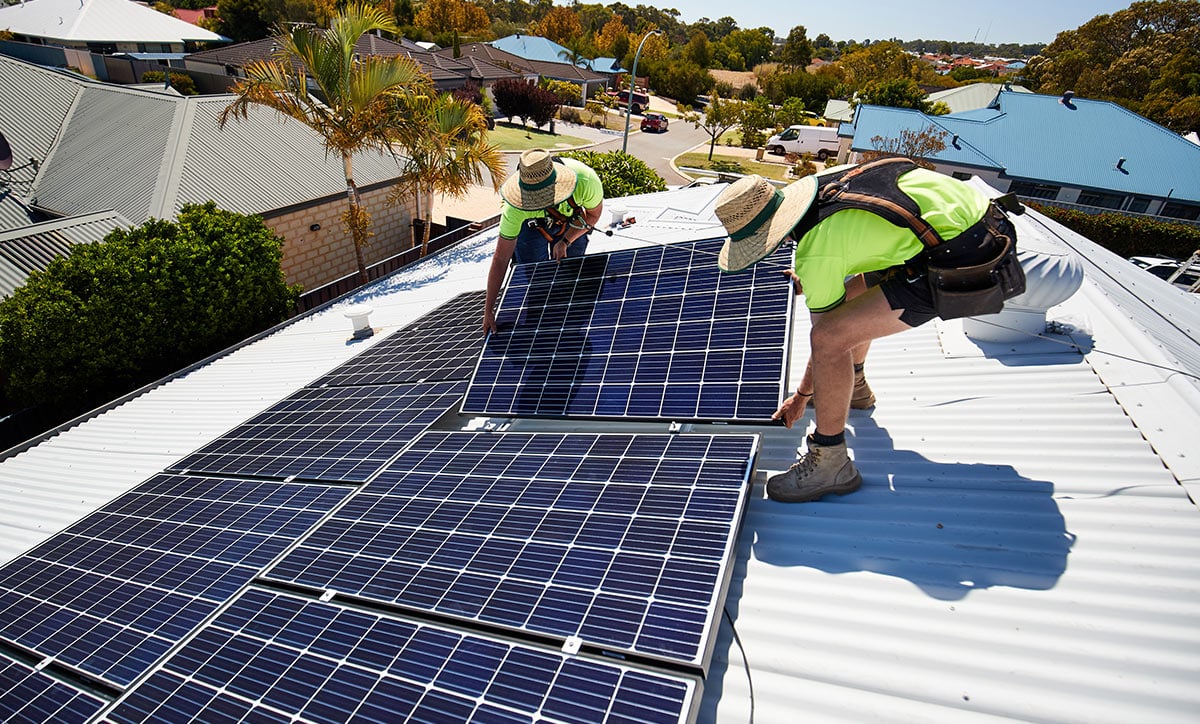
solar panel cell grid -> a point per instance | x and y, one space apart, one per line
332 434
441 345
112 593
273 656
558 534
654 333
28 696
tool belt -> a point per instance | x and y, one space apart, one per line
553 226
969 275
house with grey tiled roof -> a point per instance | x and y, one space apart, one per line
144 154
588 80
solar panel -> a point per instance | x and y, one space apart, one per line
276 657
332 433
30 696
622 540
112 593
442 345
657 333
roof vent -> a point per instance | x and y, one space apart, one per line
358 315
954 141
1121 165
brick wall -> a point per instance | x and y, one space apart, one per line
313 258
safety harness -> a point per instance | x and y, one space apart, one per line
970 274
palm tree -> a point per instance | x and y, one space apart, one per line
354 105
449 157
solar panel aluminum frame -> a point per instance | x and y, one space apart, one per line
772 265
285 571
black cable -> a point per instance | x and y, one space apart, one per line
745 661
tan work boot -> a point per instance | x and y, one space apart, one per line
823 469
861 397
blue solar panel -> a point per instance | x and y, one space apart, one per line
656 333
275 657
623 540
29 696
111 594
332 433
442 345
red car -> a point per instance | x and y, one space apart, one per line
656 122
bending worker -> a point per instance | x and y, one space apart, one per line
547 208
946 250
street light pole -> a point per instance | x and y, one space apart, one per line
632 85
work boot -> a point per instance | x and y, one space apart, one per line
861 398
823 469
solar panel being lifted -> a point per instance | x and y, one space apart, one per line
442 345
621 540
115 591
656 333
330 433
273 657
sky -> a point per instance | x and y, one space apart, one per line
1009 21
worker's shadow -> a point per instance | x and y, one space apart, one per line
949 528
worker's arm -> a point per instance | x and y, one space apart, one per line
590 217
500 261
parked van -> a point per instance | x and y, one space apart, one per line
820 141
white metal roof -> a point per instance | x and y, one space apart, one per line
1022 549
100 21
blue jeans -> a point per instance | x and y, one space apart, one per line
532 246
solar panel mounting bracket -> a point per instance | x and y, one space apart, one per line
327 595
43 663
678 427
571 645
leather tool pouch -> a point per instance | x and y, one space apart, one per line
969 291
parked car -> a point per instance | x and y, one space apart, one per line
820 141
1165 267
656 122
640 101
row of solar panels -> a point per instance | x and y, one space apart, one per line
332 559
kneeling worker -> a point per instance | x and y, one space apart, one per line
946 250
547 208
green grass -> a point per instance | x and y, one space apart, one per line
732 164
515 138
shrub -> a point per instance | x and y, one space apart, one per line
621 173
518 99
1128 236
120 313
569 114
181 82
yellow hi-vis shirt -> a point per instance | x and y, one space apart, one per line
589 193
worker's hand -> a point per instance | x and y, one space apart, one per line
489 322
558 250
792 409
796 286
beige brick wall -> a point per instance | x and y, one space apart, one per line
314 258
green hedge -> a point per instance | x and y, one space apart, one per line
118 314
1128 236
621 173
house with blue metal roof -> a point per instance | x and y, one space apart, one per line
1068 151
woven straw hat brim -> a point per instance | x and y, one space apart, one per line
553 195
797 198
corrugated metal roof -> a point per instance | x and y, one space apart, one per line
884 123
100 21
1022 549
34 247
971 97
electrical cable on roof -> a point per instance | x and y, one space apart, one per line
745 661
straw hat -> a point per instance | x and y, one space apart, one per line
759 217
539 182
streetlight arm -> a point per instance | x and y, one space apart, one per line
632 85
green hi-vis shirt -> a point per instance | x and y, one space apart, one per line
854 241
589 193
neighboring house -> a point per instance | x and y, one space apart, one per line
32 248
1073 152
838 111
543 61
195 16
972 96
145 154
533 47
103 26
1024 547
229 62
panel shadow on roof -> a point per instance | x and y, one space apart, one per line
656 333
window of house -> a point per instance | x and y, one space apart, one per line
1102 199
1034 190
1177 210
1139 204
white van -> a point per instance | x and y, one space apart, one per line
820 141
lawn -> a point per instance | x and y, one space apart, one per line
515 138
732 164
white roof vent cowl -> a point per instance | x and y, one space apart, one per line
358 315
1052 275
